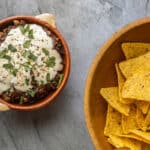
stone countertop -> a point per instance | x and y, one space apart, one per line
85 25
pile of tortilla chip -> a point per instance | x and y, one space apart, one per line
128 113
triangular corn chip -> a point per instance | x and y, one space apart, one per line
135 49
140 119
135 65
121 81
111 96
144 135
129 122
137 87
113 122
120 142
144 106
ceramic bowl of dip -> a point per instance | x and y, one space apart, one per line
35 62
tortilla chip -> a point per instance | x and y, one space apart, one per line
110 94
144 135
140 119
121 81
122 148
147 121
113 122
120 142
135 65
143 106
133 136
134 49
129 122
113 125
137 87
145 146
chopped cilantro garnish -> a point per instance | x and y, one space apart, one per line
31 92
50 62
8 66
21 100
5 50
30 34
22 29
42 82
14 72
26 44
11 68
48 77
45 51
27 81
60 78
27 28
3 54
26 54
12 48
7 57
32 57
26 65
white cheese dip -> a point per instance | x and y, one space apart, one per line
27 49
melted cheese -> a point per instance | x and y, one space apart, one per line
39 68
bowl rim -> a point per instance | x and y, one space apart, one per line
51 97
94 65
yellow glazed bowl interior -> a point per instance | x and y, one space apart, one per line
102 74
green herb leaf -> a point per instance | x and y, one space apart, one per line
31 92
3 53
11 68
26 65
45 51
48 77
27 81
8 66
30 34
27 28
7 57
32 57
41 82
21 100
60 78
12 48
5 50
26 54
26 44
50 62
22 29
13 72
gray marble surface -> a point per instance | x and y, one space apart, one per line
85 24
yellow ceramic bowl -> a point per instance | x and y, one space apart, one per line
102 74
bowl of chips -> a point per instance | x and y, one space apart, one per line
117 90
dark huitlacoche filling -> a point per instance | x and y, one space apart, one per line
34 94
38 91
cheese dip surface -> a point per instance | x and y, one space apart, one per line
30 63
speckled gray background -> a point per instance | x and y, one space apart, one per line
85 24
